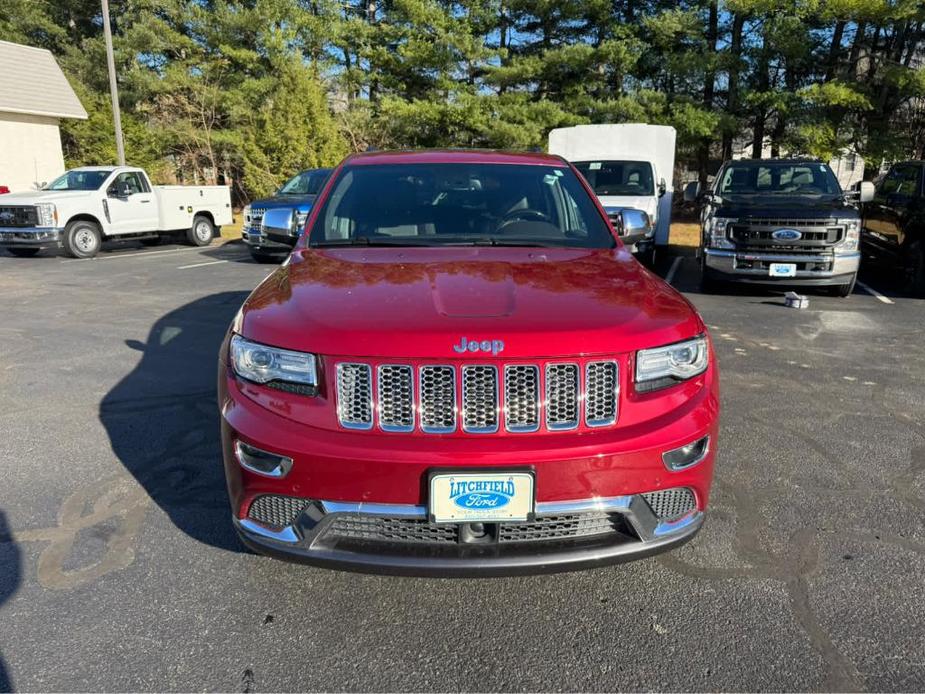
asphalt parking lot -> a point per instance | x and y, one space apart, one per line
119 569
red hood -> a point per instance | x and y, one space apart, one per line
419 302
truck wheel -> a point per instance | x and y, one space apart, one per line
845 290
82 239
202 231
915 270
262 257
23 252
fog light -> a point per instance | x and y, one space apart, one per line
262 462
686 456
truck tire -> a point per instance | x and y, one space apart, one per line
264 257
202 231
845 290
914 283
23 252
82 239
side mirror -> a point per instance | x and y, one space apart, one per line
119 190
866 190
280 221
692 191
662 187
634 222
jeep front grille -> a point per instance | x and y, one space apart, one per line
477 398
354 396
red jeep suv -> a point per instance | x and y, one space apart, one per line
461 371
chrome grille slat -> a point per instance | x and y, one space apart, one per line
395 397
602 388
521 397
354 396
480 398
561 396
437 393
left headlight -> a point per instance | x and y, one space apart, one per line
852 235
661 367
285 369
47 214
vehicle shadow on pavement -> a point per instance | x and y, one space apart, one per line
163 423
10 578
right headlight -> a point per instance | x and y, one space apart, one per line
284 369
661 367
716 232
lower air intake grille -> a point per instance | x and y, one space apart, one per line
563 526
669 504
278 511
380 529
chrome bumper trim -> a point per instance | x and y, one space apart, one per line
286 535
637 511
29 235
723 261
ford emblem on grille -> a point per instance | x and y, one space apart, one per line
469 345
786 235
481 494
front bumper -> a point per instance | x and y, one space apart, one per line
312 538
260 241
813 269
30 237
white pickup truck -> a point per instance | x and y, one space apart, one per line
85 206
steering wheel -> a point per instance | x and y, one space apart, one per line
522 215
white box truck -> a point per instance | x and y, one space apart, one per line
84 206
628 165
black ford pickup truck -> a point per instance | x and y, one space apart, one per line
894 225
780 222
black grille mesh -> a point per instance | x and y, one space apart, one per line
419 531
381 529
562 526
278 511
669 504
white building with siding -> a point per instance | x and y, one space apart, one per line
34 97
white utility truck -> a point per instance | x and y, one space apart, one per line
629 165
83 207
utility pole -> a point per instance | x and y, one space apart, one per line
113 89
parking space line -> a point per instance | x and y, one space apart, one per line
136 254
673 269
211 262
875 293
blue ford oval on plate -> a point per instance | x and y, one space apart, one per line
481 498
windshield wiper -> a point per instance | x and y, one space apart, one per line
367 241
495 241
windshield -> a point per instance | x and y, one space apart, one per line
460 204
306 183
769 178
618 177
79 180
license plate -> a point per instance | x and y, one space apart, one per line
481 497
782 270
